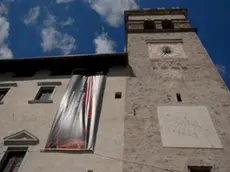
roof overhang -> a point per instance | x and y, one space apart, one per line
90 61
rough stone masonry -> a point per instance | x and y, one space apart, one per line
155 83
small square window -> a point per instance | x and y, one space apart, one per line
44 93
12 159
3 92
118 95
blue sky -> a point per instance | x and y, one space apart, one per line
30 28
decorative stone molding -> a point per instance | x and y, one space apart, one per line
21 138
149 41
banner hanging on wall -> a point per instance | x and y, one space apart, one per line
76 121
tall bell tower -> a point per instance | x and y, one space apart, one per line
177 105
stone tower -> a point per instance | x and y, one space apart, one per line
177 105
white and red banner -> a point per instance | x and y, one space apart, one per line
76 121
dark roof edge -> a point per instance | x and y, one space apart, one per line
167 11
38 58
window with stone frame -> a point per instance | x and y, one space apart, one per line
44 93
15 149
12 159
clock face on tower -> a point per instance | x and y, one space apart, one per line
166 51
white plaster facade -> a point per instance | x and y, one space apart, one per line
17 115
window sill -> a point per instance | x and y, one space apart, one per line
51 150
39 101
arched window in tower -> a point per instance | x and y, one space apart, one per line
149 24
167 24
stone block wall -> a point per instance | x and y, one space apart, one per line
155 83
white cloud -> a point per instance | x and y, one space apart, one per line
112 10
63 1
53 39
32 15
103 44
221 69
68 22
5 52
50 21
4 29
3 9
